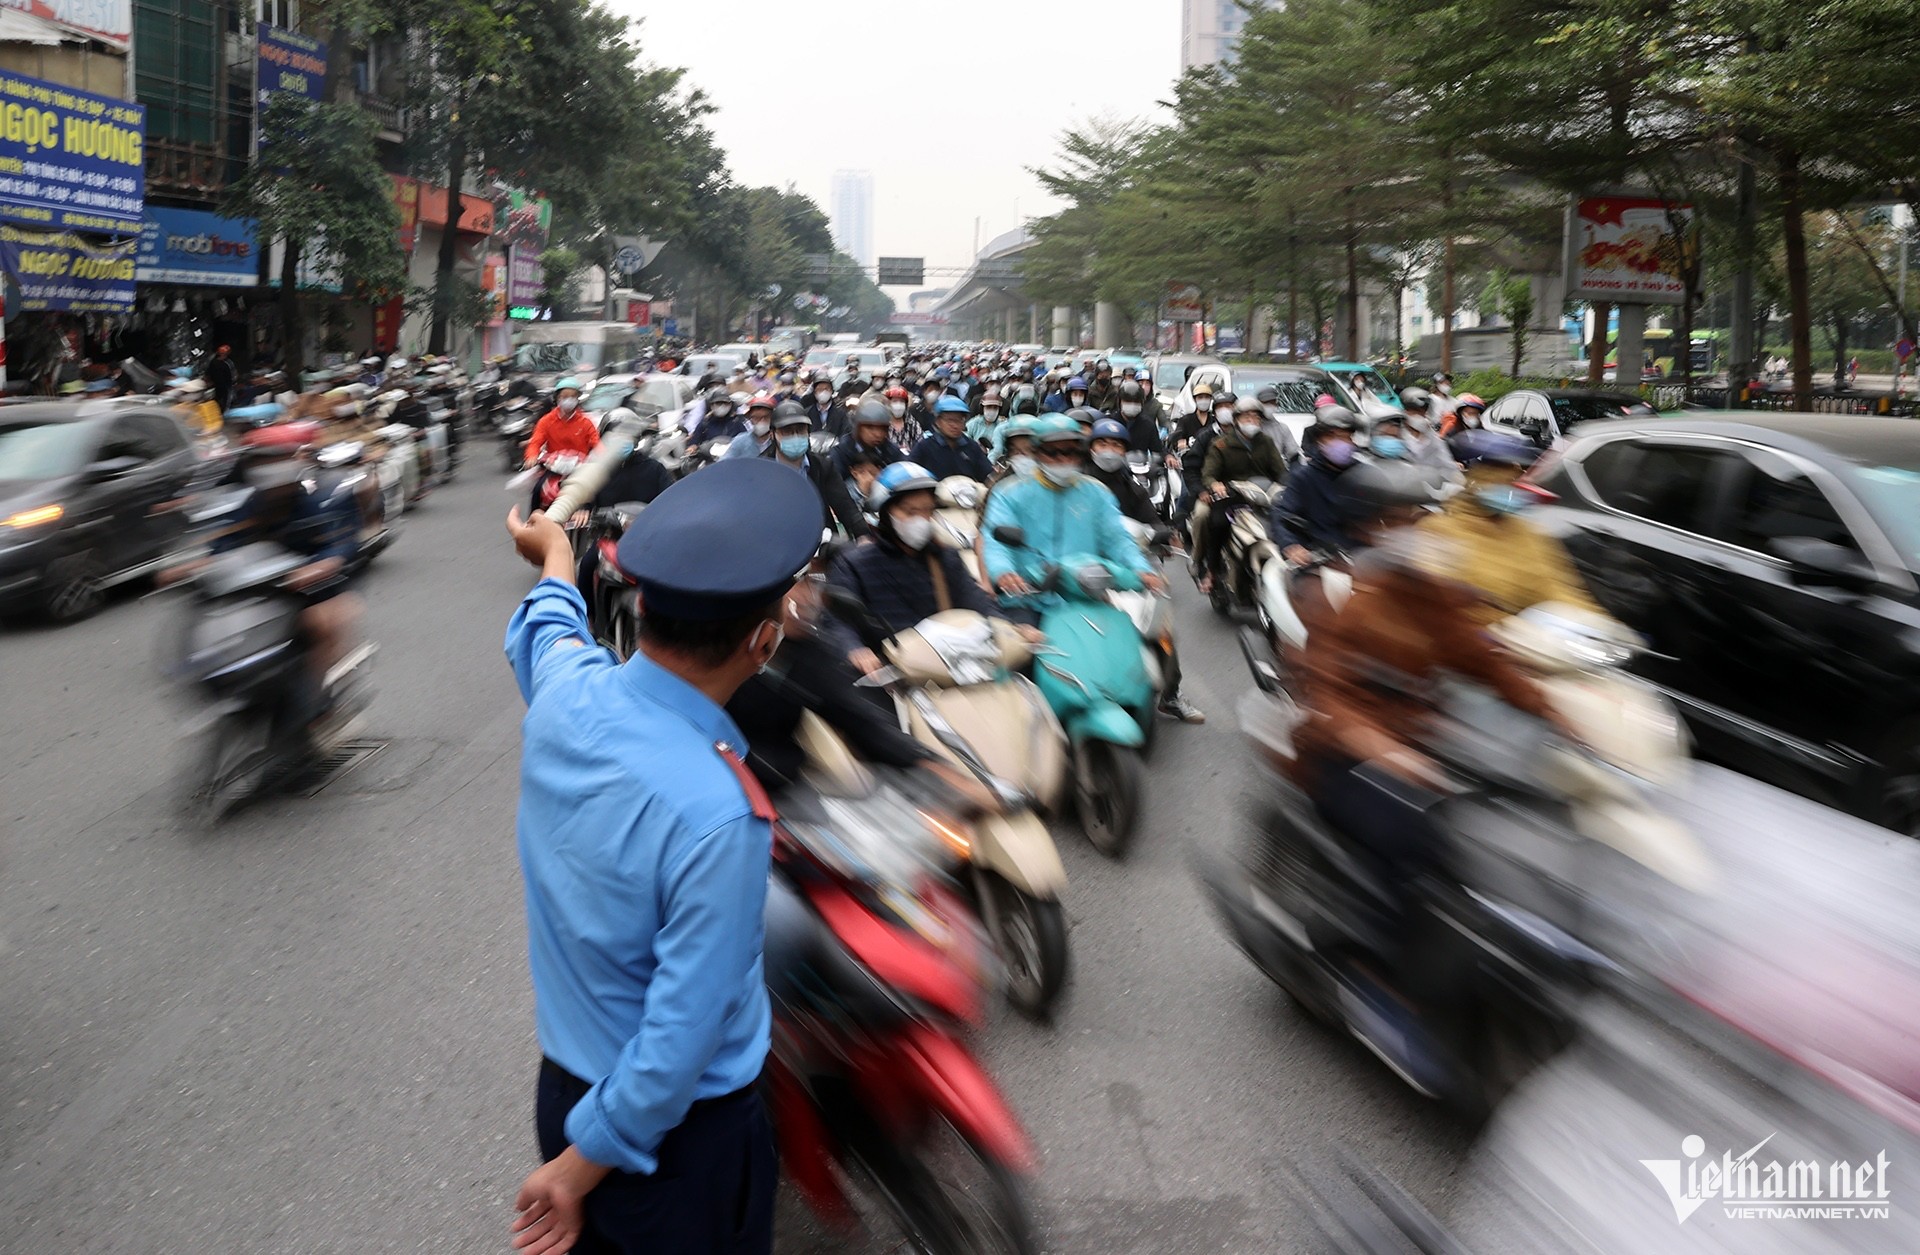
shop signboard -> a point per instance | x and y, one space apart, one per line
70 159
526 277
57 270
194 247
1629 248
290 62
406 199
109 21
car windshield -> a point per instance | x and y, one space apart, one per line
544 358
1367 383
42 451
1295 393
654 396
1893 493
606 396
1571 411
1170 375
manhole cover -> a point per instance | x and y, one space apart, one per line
341 760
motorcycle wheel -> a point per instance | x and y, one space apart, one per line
623 641
228 766
1107 792
509 458
959 1200
1032 941
1220 597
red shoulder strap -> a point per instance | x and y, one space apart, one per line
749 784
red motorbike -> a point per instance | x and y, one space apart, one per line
877 968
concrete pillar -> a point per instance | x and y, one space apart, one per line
1063 329
1260 334
1036 324
1629 344
1109 326
1008 331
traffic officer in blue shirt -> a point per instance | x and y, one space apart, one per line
645 846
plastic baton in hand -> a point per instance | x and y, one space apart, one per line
623 434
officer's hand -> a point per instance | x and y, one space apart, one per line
551 1205
536 538
865 661
1296 555
1012 585
1155 582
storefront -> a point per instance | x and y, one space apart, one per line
199 276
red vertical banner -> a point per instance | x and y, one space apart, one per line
406 199
386 325
493 280
640 313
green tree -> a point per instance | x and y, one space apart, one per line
318 186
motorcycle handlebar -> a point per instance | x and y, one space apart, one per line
592 475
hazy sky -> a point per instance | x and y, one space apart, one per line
946 103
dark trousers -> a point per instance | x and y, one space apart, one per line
712 1193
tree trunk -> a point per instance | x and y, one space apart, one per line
1800 305
1293 297
1597 343
1519 348
1246 332
449 241
293 332
1353 284
1399 321
1447 298
1683 360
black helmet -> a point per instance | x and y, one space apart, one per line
1132 391
718 395
1223 401
1416 398
1085 415
871 413
1370 489
1268 395
1332 418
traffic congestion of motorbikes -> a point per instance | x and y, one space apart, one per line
1483 848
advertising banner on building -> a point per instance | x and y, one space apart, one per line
1184 302
1629 248
70 158
526 279
522 219
57 270
109 21
406 199
290 62
192 246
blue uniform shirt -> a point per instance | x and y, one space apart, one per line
646 876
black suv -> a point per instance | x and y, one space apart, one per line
1773 563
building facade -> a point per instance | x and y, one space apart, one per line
853 214
1209 29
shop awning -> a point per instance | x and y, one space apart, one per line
24 28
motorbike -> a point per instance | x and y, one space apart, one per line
956 519
951 680
259 722
876 971
1526 816
1152 615
1161 483
1102 682
1246 548
514 426
341 471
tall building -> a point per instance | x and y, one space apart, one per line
853 214
1209 29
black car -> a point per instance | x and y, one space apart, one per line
1544 415
90 497
1773 563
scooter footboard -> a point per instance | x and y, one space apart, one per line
1106 722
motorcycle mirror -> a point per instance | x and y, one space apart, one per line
1011 536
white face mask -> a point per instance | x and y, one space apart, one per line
1130 409
1060 474
1077 398
990 412
761 429
1108 460
914 532
1022 463
823 395
568 405
1203 404
898 409
1249 430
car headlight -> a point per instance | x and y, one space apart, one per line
35 517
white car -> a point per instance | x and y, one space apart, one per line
1297 386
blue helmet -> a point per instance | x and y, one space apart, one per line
898 478
564 384
1472 446
1112 429
950 405
1077 384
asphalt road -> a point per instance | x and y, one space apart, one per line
311 1028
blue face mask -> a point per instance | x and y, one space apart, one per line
793 448
1389 447
1503 499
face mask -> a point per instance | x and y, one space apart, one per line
898 409
1059 474
1130 409
1337 452
1249 430
914 532
720 411
779 636
931 399
1023 464
1203 404
793 448
1470 420
761 429
1419 426
1077 398
568 405
823 395
1503 499
1108 460
990 412
1389 447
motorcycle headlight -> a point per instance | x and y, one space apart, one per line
1094 579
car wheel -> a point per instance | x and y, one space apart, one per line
74 586
1899 800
